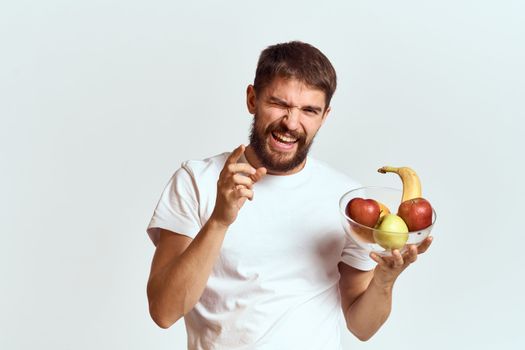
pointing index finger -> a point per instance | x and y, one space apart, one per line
235 155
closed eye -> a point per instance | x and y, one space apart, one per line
311 111
279 105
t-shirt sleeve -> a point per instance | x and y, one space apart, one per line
356 256
178 208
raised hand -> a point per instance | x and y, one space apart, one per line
234 187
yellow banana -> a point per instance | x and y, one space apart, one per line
411 183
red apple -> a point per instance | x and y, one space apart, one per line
417 213
363 211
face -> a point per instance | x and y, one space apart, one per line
287 115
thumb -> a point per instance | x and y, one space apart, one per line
259 174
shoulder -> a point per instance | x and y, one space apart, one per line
206 167
194 173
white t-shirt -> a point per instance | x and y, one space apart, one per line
275 283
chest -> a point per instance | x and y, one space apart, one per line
284 236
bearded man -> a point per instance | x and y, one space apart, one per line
249 246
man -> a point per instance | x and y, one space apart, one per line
273 272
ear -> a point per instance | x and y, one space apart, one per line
326 113
250 99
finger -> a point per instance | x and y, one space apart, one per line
243 192
235 155
241 168
245 181
424 245
397 258
411 255
379 260
259 174
241 202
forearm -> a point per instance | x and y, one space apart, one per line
177 287
367 313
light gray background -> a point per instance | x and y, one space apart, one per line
102 100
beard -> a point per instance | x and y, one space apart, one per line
275 161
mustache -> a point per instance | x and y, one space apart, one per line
284 130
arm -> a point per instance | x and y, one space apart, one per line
366 296
181 266
179 271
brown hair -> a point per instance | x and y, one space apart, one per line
296 60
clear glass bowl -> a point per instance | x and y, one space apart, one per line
374 240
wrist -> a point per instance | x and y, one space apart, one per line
384 286
217 225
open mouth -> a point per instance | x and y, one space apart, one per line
284 138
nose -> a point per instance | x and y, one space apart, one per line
291 119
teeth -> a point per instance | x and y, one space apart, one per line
284 138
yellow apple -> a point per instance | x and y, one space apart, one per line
396 235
